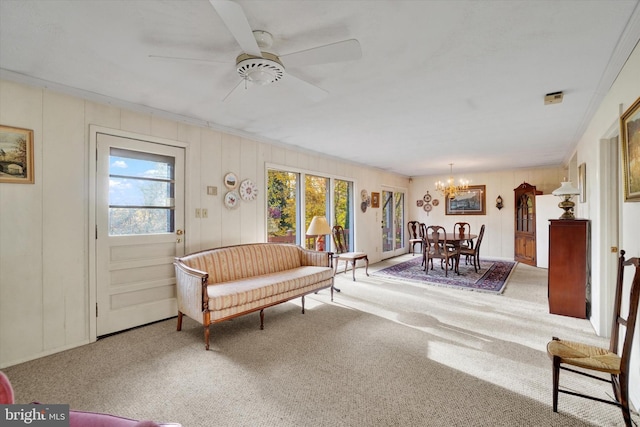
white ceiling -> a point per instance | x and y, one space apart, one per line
439 82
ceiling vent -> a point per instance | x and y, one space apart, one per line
553 98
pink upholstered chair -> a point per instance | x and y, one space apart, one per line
81 418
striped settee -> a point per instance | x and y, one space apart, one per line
218 284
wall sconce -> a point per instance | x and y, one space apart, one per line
499 204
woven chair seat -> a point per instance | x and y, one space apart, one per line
585 356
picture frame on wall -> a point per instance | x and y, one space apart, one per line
582 182
630 134
470 202
16 155
375 200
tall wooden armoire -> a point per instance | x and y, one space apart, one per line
525 224
569 292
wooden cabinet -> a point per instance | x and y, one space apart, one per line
525 224
569 267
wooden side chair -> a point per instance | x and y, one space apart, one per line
469 252
343 254
614 361
463 228
415 229
436 247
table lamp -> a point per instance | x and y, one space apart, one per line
319 227
566 191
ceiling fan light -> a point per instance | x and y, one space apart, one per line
260 71
261 76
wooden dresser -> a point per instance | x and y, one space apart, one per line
569 267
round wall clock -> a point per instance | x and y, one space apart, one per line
230 180
248 190
231 199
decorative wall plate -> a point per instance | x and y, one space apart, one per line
231 199
427 197
248 190
364 195
230 180
419 203
435 202
363 206
427 207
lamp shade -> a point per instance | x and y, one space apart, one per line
318 227
566 189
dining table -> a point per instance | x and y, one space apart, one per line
456 240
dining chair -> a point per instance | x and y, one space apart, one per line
473 252
343 253
415 235
614 361
436 247
463 228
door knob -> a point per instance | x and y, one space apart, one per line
179 232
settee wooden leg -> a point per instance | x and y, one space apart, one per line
262 319
302 298
206 337
179 327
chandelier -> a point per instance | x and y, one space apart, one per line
448 189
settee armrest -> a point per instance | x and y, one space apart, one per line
316 258
191 290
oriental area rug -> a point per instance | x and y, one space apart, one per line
491 277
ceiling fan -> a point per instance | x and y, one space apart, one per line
256 66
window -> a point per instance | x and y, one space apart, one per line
141 193
316 195
282 206
288 219
342 211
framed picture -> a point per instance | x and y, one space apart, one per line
16 155
230 180
630 132
582 182
375 200
469 202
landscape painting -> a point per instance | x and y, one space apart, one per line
471 201
16 155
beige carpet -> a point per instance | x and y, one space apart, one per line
383 354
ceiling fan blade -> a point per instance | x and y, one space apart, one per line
194 60
310 91
336 52
236 21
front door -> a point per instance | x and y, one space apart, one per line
139 230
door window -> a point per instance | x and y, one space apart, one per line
141 193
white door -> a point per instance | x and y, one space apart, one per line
393 237
139 230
